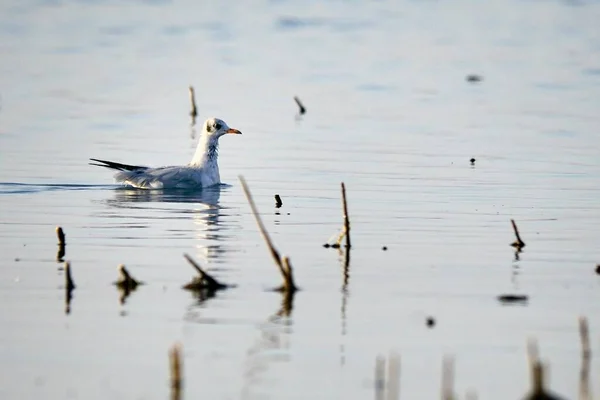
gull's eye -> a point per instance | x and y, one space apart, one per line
217 126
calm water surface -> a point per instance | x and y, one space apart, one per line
389 113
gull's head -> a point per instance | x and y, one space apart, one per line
216 128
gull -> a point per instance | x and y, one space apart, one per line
202 171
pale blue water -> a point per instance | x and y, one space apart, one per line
389 113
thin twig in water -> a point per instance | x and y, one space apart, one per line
176 371
286 271
517 243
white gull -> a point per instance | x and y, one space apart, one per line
202 171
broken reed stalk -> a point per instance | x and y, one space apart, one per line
204 280
537 383
448 378
346 228
300 105
176 371
61 236
284 269
393 377
126 281
346 217
194 111
518 243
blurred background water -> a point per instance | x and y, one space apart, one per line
389 112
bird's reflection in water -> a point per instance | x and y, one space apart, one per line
205 211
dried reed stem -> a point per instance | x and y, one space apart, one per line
448 378
518 243
286 272
176 371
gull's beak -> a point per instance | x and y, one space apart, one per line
235 131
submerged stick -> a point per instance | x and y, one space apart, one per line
286 271
176 371
204 280
300 105
518 243
194 111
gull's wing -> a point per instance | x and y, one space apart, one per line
117 166
161 178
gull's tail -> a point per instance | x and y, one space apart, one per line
117 166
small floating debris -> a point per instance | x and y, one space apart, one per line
430 321
472 161
384 248
176 368
518 244
284 263
474 78
278 202
513 298
300 105
203 281
598 269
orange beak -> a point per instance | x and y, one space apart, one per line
235 131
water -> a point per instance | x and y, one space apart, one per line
389 113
